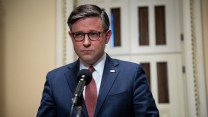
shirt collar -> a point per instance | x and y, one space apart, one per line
99 65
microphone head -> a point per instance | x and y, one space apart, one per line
86 75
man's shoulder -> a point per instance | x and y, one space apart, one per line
61 69
125 62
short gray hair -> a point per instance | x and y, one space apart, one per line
88 10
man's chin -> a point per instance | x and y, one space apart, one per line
87 60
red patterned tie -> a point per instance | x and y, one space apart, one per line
91 95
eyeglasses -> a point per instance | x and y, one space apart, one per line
93 36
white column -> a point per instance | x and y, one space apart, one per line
64 47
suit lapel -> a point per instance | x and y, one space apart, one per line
71 78
109 75
71 75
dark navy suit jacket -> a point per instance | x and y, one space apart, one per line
123 93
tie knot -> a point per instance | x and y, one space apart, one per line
91 69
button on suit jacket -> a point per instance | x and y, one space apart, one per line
124 92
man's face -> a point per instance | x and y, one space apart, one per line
89 51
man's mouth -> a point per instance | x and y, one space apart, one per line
86 51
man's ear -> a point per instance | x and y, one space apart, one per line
108 36
70 34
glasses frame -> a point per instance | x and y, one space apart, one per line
88 34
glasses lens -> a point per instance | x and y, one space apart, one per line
94 35
78 36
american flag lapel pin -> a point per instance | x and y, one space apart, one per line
112 71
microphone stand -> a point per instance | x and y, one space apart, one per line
78 106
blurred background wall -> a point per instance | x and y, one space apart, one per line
27 53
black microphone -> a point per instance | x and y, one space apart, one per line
84 77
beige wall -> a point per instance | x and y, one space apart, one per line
1 62
27 52
205 37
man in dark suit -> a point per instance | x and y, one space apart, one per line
120 88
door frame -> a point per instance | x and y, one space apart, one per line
194 59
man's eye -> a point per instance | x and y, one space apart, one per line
78 34
93 33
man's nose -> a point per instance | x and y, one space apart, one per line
86 41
